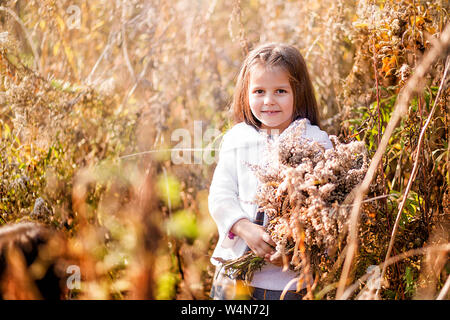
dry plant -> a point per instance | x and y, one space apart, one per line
401 108
304 192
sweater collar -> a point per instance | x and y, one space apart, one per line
292 125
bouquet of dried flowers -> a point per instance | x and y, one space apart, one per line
302 188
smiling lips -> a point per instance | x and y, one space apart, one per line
270 112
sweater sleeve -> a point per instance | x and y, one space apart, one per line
223 199
319 136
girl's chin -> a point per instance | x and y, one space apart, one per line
273 127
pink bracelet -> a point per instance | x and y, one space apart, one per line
231 235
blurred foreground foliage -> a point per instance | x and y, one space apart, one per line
92 91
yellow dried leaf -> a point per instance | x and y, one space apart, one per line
98 25
254 3
418 22
431 30
360 24
389 64
385 36
70 56
60 22
56 48
272 184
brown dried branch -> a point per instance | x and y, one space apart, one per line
421 251
27 36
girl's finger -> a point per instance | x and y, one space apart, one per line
262 250
268 239
267 249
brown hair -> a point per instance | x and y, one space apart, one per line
290 59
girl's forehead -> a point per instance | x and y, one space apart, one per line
264 72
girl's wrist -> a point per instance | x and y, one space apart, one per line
238 227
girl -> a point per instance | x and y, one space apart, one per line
273 92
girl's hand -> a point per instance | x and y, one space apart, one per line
256 237
277 259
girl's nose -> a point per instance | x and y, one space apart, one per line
268 99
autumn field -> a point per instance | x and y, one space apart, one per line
112 114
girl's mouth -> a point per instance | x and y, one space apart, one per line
270 112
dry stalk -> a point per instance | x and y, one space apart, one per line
289 284
237 13
124 43
380 119
413 85
444 290
27 36
404 255
111 41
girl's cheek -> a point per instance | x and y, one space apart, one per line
253 102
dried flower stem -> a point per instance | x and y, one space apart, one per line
375 71
289 284
124 43
404 255
27 36
111 41
444 290
414 84
243 42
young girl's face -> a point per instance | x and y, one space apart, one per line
271 98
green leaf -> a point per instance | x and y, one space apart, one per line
7 131
169 189
166 286
183 225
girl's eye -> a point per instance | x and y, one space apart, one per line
259 91
281 91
